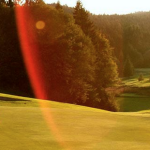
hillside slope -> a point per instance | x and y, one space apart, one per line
29 124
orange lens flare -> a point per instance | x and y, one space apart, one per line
40 25
30 51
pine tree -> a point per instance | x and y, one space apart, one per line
105 60
58 6
106 75
128 68
105 67
81 17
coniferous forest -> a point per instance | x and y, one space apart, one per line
81 54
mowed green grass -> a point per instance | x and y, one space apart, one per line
133 81
23 126
130 102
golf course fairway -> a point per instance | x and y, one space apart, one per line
31 124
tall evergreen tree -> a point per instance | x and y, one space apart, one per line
58 6
106 68
104 63
81 17
128 68
104 53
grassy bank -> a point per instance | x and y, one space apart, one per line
57 126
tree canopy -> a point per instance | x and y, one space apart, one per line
75 57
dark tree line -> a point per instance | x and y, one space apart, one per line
13 75
128 35
13 3
76 58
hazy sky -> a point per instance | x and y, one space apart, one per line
109 6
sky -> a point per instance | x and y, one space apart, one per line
109 6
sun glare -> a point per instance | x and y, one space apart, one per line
30 51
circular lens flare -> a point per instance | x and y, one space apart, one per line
40 25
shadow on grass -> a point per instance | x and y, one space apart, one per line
139 97
134 103
11 99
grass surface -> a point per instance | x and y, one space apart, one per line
130 102
59 126
133 81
